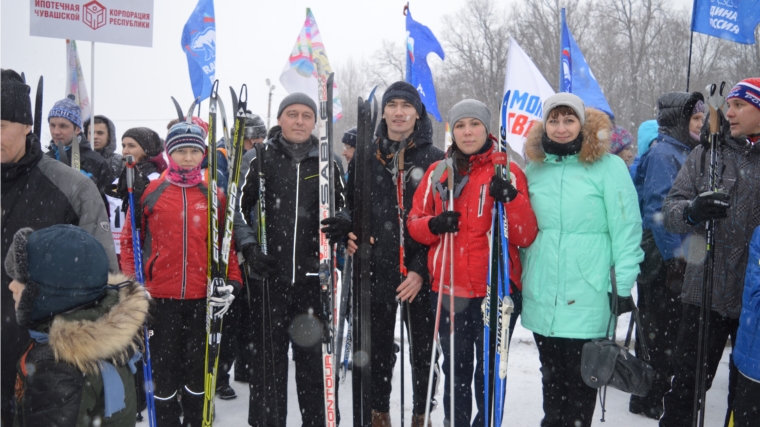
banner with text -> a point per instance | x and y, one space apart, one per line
528 89
102 21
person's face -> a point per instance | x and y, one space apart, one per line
250 142
743 117
12 141
297 121
62 130
627 155
563 129
470 135
400 116
100 139
187 157
130 147
348 152
17 288
695 123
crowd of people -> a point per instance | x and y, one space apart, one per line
591 207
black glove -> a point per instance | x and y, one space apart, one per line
260 262
706 206
675 271
624 304
447 222
235 284
336 228
501 189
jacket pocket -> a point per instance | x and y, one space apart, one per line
152 263
595 276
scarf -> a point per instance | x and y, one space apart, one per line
561 150
183 177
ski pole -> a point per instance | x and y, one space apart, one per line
139 275
450 169
403 273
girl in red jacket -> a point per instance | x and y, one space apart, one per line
174 234
476 190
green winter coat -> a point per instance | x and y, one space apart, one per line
588 221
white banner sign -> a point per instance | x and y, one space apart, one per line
528 90
107 21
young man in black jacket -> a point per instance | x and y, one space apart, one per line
289 160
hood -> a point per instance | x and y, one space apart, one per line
422 134
596 138
111 331
645 135
674 114
110 148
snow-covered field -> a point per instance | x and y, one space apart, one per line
523 404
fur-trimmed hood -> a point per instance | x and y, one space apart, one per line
596 138
111 331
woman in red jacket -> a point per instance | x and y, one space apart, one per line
174 234
477 188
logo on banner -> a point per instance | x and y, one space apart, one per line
523 109
94 15
205 41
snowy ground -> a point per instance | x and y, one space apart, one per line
523 395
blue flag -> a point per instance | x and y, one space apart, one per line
420 41
199 44
733 20
575 75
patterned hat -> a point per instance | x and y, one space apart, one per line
68 109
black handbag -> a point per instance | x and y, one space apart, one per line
605 363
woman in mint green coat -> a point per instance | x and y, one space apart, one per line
588 221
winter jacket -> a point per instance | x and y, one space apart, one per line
646 134
61 381
292 206
588 221
658 169
472 242
115 160
741 180
174 234
746 354
418 156
92 164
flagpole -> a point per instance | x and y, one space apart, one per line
561 20
691 42
92 96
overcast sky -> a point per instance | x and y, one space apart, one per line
254 39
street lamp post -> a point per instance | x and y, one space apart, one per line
269 107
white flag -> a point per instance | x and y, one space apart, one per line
75 80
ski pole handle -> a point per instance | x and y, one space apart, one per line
130 172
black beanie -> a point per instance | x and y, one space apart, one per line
148 139
16 105
406 92
349 138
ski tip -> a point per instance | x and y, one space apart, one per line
215 89
180 116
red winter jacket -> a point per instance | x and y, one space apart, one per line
174 234
472 242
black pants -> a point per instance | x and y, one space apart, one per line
679 401
231 328
178 352
420 328
746 402
568 401
660 313
287 314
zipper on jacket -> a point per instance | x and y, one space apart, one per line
152 263
184 241
295 223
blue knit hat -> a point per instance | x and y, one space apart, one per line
68 109
185 134
63 267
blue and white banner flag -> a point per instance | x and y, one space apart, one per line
420 41
733 20
199 44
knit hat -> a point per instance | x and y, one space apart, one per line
568 100
185 134
349 138
254 126
68 109
406 92
470 108
699 107
63 267
148 140
16 106
297 98
621 139
748 90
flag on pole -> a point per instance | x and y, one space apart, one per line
575 74
527 89
420 41
199 45
734 20
75 84
306 62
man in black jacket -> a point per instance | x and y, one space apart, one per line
66 127
37 192
289 160
405 132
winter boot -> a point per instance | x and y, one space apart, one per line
381 419
225 392
419 421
